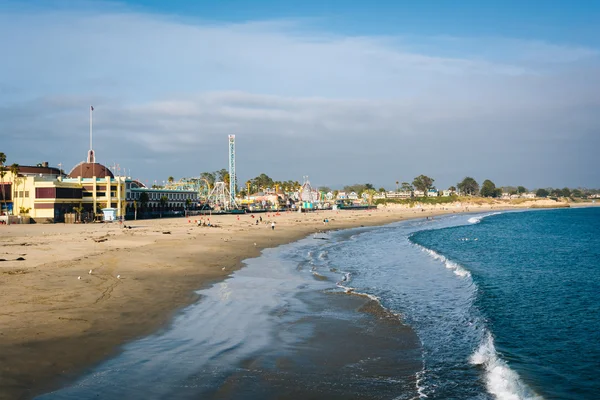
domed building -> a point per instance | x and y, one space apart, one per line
90 169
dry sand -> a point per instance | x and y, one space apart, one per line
53 325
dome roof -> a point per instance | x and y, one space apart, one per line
89 170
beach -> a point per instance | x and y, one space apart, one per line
57 318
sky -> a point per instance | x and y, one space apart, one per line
341 91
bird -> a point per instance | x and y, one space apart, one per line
255 243
118 276
223 269
79 277
90 272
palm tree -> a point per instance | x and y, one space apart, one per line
397 186
163 202
14 170
2 174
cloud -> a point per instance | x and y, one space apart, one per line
168 91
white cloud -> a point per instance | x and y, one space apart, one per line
343 108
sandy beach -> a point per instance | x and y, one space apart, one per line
57 318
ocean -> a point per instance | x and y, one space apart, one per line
500 305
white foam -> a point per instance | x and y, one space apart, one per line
419 382
476 220
456 268
500 380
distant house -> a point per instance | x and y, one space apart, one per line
379 196
447 193
419 193
432 193
342 196
505 196
329 196
529 195
352 196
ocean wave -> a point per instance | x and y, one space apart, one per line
500 380
458 269
476 220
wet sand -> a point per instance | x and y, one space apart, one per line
54 325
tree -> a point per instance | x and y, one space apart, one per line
2 174
542 193
325 189
210 177
171 179
521 189
144 199
468 186
406 187
369 186
423 183
381 190
163 202
14 170
488 189
566 192
452 188
577 193
397 186
221 174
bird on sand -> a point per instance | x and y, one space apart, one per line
90 272
79 277
118 276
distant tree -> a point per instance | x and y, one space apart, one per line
325 189
163 202
144 199
381 190
521 189
171 179
220 174
452 188
488 189
357 188
369 186
210 177
397 185
423 183
264 181
406 187
468 186
336 192
14 170
577 193
565 192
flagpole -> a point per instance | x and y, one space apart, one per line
91 110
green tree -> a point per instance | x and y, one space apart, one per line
488 189
397 186
521 189
220 174
163 202
381 190
14 170
406 187
2 175
325 189
468 186
171 179
144 199
210 177
565 192
452 188
577 193
369 186
423 183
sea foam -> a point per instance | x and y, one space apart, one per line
456 268
477 219
500 380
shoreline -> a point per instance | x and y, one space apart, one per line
36 353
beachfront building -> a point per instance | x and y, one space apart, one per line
342 196
448 193
418 193
432 193
352 196
169 198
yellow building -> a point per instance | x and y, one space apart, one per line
45 194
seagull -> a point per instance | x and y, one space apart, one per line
79 277
255 243
118 276
223 269
90 272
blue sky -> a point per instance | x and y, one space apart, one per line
344 91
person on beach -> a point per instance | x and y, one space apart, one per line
273 225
